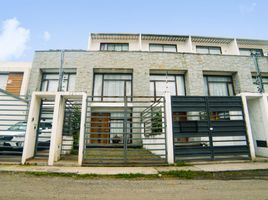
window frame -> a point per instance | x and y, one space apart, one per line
102 84
251 50
111 43
162 46
164 75
226 83
209 49
55 73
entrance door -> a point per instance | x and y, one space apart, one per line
100 128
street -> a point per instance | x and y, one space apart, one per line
23 186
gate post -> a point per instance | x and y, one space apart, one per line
169 129
82 129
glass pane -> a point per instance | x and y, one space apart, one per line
128 88
111 47
53 85
72 78
218 89
117 76
44 86
215 50
264 80
170 48
245 52
205 86
97 86
103 47
64 85
180 85
162 87
113 88
3 81
156 47
162 77
265 86
51 76
124 47
231 90
202 50
219 78
118 47
152 88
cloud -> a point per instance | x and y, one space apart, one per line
13 39
248 8
46 36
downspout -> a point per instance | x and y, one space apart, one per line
61 71
258 76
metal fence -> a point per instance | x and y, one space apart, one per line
13 123
209 128
125 130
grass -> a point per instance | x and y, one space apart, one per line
176 174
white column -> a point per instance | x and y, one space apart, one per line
32 124
56 132
248 127
169 129
82 129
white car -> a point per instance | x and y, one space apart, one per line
14 136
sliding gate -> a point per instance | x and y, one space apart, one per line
125 130
209 128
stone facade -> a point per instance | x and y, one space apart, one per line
193 66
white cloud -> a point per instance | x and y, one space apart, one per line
248 8
13 39
46 36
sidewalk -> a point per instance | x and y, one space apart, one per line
136 170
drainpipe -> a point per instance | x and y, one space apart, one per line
259 82
61 71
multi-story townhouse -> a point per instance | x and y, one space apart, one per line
118 84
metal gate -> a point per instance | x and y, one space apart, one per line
209 128
125 131
13 122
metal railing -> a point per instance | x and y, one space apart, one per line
125 130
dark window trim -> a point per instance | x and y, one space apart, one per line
113 43
162 45
226 83
252 49
54 73
102 84
208 48
154 82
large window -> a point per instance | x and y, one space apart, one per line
3 81
50 82
114 47
163 47
159 84
218 86
208 50
111 85
248 52
264 81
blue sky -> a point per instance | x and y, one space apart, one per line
29 25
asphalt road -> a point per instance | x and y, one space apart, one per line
22 186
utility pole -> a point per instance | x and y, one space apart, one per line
259 82
61 71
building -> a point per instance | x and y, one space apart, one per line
154 97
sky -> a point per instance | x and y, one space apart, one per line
30 25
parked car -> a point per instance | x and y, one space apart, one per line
14 136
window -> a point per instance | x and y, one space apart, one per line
114 47
112 85
50 82
208 50
3 81
248 52
218 86
264 81
163 47
159 84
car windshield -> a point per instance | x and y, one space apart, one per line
20 126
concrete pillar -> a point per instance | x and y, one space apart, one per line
32 125
56 132
169 130
248 127
82 129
